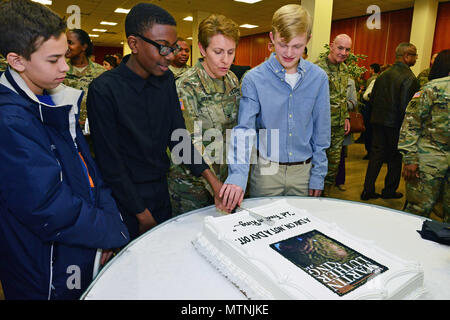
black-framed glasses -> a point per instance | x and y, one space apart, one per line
163 50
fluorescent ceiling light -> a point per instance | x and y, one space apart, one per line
108 23
122 10
190 38
99 30
248 1
94 35
248 26
46 2
188 19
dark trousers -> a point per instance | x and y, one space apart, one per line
384 149
366 111
340 178
156 199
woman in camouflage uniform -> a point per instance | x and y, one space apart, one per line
209 94
82 70
425 143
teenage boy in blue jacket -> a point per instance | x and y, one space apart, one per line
54 208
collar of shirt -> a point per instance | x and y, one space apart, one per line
335 67
136 81
208 83
279 70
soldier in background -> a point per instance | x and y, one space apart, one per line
209 95
424 143
179 64
3 64
338 76
423 76
82 70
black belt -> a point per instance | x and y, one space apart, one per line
295 163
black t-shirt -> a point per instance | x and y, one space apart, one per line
131 122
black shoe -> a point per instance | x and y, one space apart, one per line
395 195
368 196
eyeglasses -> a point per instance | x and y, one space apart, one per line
163 50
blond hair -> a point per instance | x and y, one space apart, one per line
217 24
290 21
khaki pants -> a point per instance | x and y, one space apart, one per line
286 181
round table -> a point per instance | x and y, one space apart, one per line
162 264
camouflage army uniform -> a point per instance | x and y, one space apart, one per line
423 77
424 140
177 72
82 81
215 103
338 77
3 64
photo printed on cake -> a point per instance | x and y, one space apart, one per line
336 266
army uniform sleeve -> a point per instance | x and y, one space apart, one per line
411 128
188 104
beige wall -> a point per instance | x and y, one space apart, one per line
422 31
321 12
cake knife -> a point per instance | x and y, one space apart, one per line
258 216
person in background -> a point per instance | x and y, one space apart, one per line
352 103
179 64
424 143
3 64
55 210
390 96
374 72
337 71
109 62
305 54
135 116
209 96
423 76
81 69
366 110
118 57
239 71
285 101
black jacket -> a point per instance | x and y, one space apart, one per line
391 93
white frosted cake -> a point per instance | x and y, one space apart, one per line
287 253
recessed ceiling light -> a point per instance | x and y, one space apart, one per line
248 1
189 18
248 26
46 2
99 30
122 10
108 23
94 35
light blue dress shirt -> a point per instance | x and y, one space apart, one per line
297 120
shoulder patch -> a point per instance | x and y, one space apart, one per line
417 95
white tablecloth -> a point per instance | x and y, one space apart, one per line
163 264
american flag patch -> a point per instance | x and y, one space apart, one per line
417 95
181 104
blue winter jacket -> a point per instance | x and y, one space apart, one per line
51 220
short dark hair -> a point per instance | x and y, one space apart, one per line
143 16
84 38
376 67
26 25
111 60
441 65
